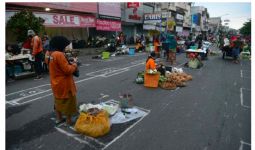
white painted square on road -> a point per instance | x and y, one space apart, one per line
116 132
245 97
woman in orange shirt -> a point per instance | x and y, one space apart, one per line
61 78
150 62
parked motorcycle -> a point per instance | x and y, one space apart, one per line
206 48
100 41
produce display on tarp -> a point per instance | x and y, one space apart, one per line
95 120
169 77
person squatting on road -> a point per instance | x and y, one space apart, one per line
150 62
61 78
37 52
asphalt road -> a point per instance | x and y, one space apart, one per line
212 113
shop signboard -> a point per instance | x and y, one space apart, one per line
134 12
108 25
66 20
133 4
74 6
62 20
178 28
179 16
109 9
179 22
152 19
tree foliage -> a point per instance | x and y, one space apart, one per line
22 21
246 29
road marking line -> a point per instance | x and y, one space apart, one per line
27 89
18 99
87 79
21 98
118 137
75 137
241 72
35 99
241 98
243 143
87 137
98 71
106 76
10 103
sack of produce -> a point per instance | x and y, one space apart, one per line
93 125
193 63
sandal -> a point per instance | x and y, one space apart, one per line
58 122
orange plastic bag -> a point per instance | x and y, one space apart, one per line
93 126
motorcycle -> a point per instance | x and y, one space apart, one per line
206 48
100 41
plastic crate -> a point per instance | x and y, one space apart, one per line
105 55
131 51
151 80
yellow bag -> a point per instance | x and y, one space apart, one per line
94 126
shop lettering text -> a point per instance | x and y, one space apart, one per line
63 19
134 17
152 16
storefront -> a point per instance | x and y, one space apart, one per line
72 20
132 19
108 22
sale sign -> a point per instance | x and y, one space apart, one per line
108 25
66 20
133 4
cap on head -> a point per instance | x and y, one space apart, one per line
30 32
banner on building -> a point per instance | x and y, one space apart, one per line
152 19
133 4
62 20
134 13
108 25
196 19
66 20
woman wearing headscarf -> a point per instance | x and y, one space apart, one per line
61 78
150 62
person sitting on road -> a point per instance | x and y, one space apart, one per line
61 78
150 62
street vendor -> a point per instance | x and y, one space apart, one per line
150 62
37 52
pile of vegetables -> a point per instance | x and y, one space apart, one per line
173 80
140 78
